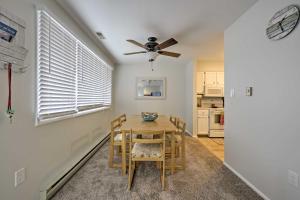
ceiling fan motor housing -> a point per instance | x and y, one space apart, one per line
151 44
152 39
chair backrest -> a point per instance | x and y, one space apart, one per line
181 126
114 124
173 120
159 137
122 118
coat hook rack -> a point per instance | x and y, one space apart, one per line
12 42
15 67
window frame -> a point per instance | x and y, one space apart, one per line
78 112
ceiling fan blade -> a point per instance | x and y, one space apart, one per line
136 43
167 53
166 44
135 52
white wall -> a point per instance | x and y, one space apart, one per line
44 149
191 98
125 80
210 66
262 131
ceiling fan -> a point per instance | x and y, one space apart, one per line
153 49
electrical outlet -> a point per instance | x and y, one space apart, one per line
20 176
293 178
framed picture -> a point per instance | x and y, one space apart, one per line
150 88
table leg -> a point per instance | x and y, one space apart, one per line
123 153
172 152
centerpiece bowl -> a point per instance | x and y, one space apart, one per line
149 117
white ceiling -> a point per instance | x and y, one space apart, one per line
197 25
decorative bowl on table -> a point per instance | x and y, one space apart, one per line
149 117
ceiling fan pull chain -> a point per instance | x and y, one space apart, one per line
152 66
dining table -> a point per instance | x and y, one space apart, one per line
137 123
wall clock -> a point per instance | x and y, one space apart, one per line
283 22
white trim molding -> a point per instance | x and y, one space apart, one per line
57 180
260 193
78 114
188 132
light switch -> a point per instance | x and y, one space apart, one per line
19 176
248 91
232 92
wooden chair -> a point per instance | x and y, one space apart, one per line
122 118
141 149
117 139
179 147
173 119
180 143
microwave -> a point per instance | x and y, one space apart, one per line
214 91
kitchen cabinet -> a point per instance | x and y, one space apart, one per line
220 78
200 82
214 79
203 122
210 78
203 126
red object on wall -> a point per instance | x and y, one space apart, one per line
222 119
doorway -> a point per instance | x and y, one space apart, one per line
209 104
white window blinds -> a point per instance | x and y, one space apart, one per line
70 77
56 68
94 80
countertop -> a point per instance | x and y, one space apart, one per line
203 108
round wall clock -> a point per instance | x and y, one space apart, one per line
283 23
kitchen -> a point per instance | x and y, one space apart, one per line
210 105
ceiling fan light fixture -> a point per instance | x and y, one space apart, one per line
151 55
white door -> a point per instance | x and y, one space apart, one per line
220 78
210 78
202 125
200 83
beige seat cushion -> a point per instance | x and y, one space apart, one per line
147 136
118 137
146 150
117 130
177 137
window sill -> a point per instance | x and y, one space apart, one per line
81 113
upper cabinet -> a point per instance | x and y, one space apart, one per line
209 82
210 78
214 79
200 82
220 78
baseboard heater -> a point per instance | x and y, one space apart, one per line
50 189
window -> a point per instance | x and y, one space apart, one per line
94 80
70 78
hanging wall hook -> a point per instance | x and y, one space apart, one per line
15 68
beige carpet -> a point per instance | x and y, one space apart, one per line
205 178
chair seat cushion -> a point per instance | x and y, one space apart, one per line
117 130
146 150
148 136
177 137
118 137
